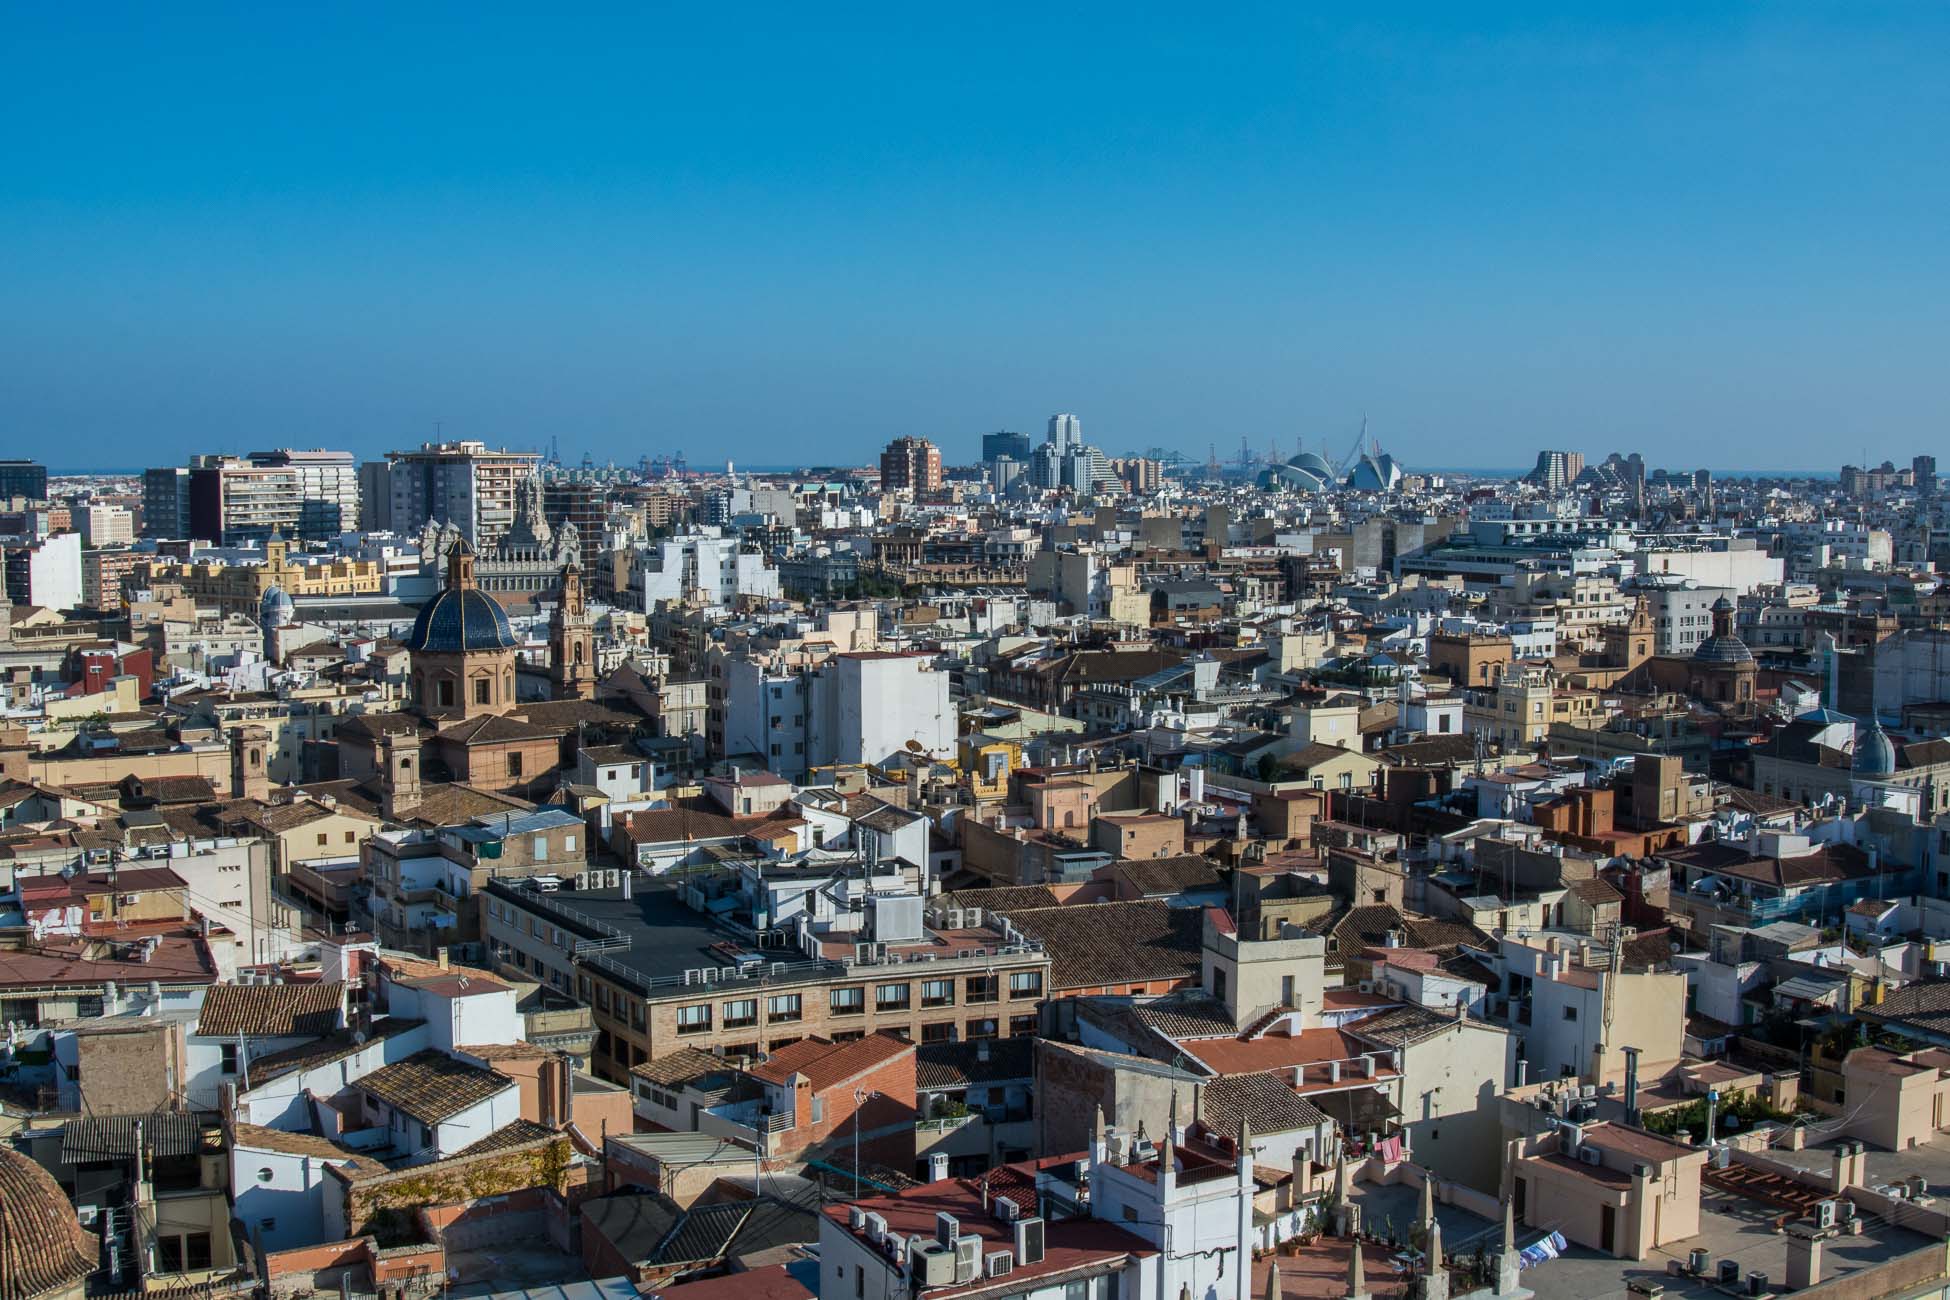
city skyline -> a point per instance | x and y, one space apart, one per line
1636 226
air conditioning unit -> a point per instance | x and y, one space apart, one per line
955 915
972 917
1591 1155
998 1264
1825 1214
876 1228
1029 1239
1367 986
856 1218
946 1229
968 1259
935 1266
1006 1209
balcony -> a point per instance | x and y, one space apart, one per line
745 1121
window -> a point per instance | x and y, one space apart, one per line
1026 984
891 997
694 1019
1021 1025
981 1029
446 695
265 1175
540 845
321 839
514 763
937 1033
849 1002
782 1006
1570 1013
981 988
937 993
818 1109
482 687
742 1014
229 1051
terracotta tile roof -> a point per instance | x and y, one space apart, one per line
1154 877
271 1010
518 1134
432 1086
1070 1245
825 1063
671 825
505 1051
256 1138
1094 945
1276 1051
1266 1101
334 1047
678 1067
956 1065
1400 1026
1002 899
1187 1013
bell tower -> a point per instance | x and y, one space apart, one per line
571 640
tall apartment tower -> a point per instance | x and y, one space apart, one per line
237 501
911 464
328 488
462 483
1557 470
166 502
1065 434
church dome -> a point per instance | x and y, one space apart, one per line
454 621
276 609
1723 649
1875 753
42 1247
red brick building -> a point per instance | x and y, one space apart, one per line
821 1094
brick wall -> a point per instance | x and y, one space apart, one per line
885 1122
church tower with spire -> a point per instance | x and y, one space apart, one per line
571 639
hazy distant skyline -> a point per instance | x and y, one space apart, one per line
785 235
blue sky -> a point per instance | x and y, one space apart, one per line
787 234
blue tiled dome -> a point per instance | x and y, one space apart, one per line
454 621
1875 754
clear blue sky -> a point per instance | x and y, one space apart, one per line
1716 232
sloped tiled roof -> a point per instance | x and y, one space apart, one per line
432 1086
1188 1013
678 1067
1093 945
1155 877
824 1063
335 1046
956 1065
271 1010
1003 898
1266 1101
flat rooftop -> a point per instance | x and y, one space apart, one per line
1731 1227
666 937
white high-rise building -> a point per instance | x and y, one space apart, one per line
1065 433
714 569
